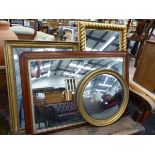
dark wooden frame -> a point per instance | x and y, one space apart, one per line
24 60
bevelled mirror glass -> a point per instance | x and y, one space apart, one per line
102 40
17 52
53 92
49 95
102 97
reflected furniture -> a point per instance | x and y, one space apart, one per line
63 110
55 112
51 95
55 107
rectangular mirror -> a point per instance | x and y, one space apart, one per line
101 37
49 97
13 49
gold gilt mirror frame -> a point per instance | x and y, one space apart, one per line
83 26
12 51
80 100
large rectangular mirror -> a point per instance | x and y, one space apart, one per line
49 97
13 49
101 37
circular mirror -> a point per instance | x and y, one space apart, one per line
102 97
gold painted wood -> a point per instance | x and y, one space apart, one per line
82 26
11 77
79 97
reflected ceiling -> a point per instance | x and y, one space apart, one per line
76 68
99 40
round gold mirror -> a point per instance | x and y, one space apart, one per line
102 97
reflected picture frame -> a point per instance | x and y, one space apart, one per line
27 57
9 47
83 26
80 102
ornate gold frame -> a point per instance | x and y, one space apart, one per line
82 26
79 99
10 72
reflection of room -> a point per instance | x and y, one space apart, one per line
58 79
101 40
66 73
99 96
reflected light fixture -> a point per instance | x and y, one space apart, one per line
104 85
81 66
105 45
109 42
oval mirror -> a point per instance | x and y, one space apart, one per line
102 97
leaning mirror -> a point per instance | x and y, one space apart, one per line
13 49
101 37
102 97
53 89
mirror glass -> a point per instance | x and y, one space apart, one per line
16 54
102 40
102 96
53 83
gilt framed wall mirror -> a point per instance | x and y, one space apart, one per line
13 49
102 37
102 97
54 89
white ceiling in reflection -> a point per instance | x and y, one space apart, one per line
102 40
75 68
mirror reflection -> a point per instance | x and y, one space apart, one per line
102 96
16 54
53 85
102 40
